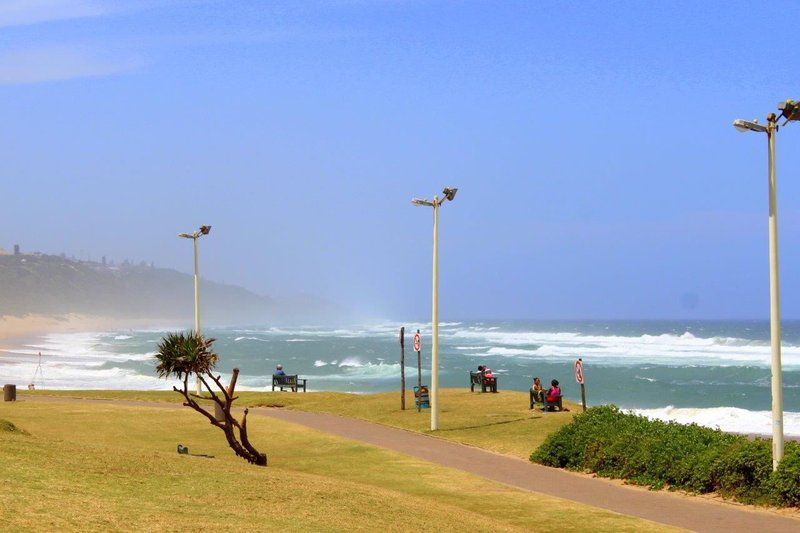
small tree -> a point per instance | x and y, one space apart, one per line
181 355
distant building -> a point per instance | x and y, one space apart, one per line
16 249
104 260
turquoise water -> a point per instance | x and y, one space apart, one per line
701 371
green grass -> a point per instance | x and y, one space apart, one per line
499 422
92 466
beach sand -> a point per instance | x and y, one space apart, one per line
14 328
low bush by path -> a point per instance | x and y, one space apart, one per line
620 445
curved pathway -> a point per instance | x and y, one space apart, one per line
691 513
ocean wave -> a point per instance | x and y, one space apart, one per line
353 362
239 339
731 419
670 349
122 337
366 372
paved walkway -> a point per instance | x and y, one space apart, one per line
673 509
659 506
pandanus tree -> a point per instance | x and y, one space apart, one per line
182 354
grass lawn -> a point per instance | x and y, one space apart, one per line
99 467
500 422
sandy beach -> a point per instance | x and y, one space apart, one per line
13 328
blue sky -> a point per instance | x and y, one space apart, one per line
599 174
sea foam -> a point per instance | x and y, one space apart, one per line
731 419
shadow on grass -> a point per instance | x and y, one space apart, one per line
491 424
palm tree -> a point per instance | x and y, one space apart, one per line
183 354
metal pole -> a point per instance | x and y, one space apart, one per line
419 366
774 308
583 396
435 321
197 302
402 369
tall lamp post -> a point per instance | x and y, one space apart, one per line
790 111
204 230
449 194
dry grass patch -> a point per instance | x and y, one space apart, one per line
93 466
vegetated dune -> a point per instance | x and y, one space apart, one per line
50 285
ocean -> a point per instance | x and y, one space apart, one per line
714 373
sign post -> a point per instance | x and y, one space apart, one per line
402 369
580 380
418 349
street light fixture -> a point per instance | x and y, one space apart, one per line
749 125
790 111
449 194
203 230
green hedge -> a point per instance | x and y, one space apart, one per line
658 454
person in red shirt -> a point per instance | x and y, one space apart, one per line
554 395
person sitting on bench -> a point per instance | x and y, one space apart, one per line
279 371
488 377
537 391
553 397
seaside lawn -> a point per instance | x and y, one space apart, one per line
96 466
499 422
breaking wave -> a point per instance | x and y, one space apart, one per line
731 419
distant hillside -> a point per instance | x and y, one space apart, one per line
46 284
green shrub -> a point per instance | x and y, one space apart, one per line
743 471
611 443
785 483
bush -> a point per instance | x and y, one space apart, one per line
785 483
620 445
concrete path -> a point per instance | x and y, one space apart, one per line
696 514
673 509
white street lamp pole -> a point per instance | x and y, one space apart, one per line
196 291
435 321
204 230
775 306
771 129
449 194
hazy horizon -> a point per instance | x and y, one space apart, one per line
599 175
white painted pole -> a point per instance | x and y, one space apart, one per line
197 301
435 321
774 308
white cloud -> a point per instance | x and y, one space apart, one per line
23 12
56 63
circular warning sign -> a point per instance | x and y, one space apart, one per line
579 371
417 342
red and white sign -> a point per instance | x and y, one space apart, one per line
417 342
579 371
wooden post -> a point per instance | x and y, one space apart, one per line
232 386
583 396
402 369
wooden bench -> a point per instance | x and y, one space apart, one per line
288 382
476 378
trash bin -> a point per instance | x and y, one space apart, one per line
421 398
9 393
